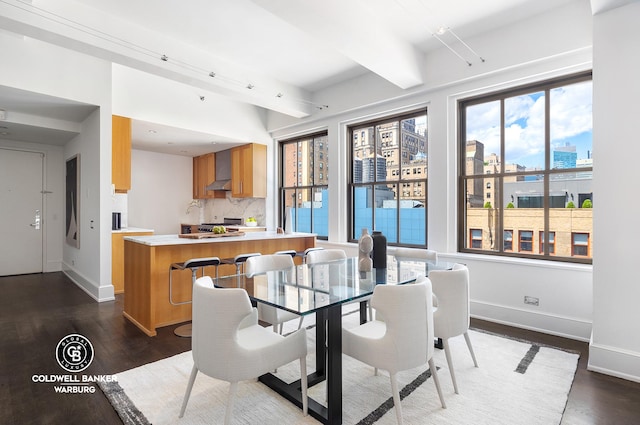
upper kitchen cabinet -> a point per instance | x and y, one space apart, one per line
204 173
121 153
249 171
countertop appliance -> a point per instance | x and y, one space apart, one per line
208 227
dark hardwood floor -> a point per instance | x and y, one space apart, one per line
39 309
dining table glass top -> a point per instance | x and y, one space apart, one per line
304 289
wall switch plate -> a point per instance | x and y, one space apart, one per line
3 115
531 300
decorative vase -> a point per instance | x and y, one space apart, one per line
365 246
379 250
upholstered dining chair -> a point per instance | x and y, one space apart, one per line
331 255
268 263
325 256
403 340
229 344
416 254
451 315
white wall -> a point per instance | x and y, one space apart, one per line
39 67
615 344
161 189
514 55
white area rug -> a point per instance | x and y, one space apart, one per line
516 383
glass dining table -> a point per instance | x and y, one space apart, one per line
323 289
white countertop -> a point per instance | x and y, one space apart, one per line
159 240
131 230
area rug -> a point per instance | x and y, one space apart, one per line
516 383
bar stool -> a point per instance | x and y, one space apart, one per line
239 260
194 264
291 252
304 253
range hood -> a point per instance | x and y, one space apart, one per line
223 171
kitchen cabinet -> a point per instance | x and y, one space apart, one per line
117 257
121 153
249 171
204 173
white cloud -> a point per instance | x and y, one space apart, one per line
570 116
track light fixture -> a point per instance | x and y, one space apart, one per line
142 50
441 31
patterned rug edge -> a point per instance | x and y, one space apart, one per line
124 407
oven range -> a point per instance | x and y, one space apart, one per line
208 227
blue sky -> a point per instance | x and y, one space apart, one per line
571 122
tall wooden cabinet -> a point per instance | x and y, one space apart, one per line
121 153
204 173
249 171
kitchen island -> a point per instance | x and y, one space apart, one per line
146 270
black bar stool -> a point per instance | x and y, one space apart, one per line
291 252
194 264
304 253
239 260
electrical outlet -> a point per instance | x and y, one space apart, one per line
531 300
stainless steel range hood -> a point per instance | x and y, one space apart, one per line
220 185
223 171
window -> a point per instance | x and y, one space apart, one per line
303 196
580 244
475 238
508 240
532 147
385 166
552 242
525 240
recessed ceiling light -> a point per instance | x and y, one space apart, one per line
5 133
152 131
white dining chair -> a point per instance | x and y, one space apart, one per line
451 315
404 254
325 256
229 344
403 340
268 263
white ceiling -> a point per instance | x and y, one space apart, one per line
290 47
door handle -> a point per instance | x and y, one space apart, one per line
36 224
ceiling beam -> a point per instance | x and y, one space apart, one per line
82 30
365 40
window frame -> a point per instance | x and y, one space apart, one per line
405 183
501 174
300 188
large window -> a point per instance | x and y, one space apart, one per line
388 184
526 163
304 181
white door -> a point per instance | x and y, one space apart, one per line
21 217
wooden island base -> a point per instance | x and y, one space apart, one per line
146 270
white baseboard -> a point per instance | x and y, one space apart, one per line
98 293
566 327
627 363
